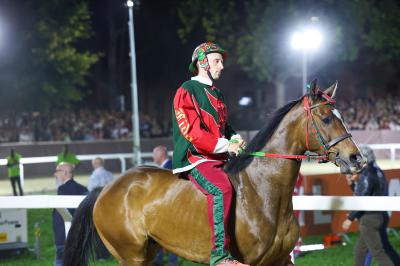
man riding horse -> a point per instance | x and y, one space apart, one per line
202 140
147 208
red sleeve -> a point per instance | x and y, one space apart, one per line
189 123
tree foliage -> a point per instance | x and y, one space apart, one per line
256 32
57 59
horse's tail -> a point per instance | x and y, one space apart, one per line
82 237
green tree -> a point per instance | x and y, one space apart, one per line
257 33
58 60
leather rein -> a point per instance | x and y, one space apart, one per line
326 146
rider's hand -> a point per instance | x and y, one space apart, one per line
235 146
239 138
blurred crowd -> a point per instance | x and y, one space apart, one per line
85 125
372 113
358 114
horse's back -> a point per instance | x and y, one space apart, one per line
135 188
152 202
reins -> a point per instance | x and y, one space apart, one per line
307 156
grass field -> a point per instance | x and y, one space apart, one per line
337 256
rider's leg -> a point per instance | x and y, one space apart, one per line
210 178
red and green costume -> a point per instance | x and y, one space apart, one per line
201 136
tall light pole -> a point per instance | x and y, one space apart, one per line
306 40
137 160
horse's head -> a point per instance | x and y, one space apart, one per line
326 132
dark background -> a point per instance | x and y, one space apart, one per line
162 62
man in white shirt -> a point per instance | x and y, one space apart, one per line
100 176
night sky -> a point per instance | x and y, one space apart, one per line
162 59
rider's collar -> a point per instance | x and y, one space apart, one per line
203 80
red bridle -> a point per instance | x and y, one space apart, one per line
324 145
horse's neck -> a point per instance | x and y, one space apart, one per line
268 178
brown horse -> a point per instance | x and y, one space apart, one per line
148 207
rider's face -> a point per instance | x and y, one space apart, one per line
216 62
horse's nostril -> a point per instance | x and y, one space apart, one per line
356 158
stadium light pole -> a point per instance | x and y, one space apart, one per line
137 160
307 41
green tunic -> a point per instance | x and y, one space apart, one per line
13 165
67 158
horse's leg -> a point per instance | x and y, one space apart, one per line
129 249
124 236
134 254
108 245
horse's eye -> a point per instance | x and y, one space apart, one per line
327 120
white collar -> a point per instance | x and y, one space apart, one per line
67 180
203 80
164 163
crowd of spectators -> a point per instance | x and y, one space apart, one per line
87 125
371 113
83 125
359 114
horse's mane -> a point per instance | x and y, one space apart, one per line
236 164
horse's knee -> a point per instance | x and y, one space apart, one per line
133 258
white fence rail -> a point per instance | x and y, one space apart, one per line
392 147
86 157
122 157
307 203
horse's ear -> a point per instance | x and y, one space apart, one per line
313 89
331 91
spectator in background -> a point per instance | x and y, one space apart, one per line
64 174
67 157
100 176
160 157
14 171
372 224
